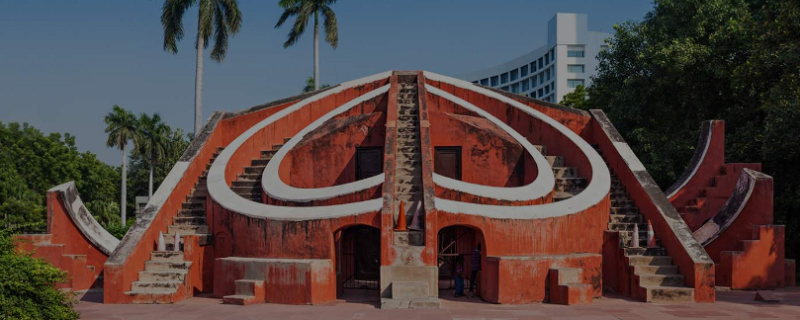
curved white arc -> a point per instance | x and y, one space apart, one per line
278 189
595 192
538 188
697 167
223 195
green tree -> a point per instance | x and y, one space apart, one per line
689 61
303 9
27 288
576 98
310 85
219 18
121 127
176 142
153 142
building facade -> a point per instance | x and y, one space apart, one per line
384 184
567 61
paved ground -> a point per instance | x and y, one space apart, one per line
729 305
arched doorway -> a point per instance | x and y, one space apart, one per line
358 264
458 243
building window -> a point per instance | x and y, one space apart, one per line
485 82
533 67
504 78
552 55
523 71
546 89
574 83
547 59
541 77
547 74
575 51
575 68
541 63
504 88
541 92
494 81
515 88
514 74
535 82
525 85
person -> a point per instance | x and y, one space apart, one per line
459 276
475 266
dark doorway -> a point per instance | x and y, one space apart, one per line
456 242
358 258
447 162
369 162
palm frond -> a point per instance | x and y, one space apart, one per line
220 34
172 21
121 126
289 12
205 21
300 24
331 26
233 17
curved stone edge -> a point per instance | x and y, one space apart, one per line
276 188
538 188
83 219
703 144
738 200
222 194
595 192
701 272
136 232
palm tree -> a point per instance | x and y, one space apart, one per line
218 17
310 85
303 9
153 142
121 126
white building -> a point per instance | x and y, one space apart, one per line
553 70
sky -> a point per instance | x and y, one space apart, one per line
65 63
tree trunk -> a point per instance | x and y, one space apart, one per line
198 83
316 51
123 199
150 187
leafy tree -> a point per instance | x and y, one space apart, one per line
176 142
310 85
689 61
220 18
303 9
122 126
576 98
27 288
152 142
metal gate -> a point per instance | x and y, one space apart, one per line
358 265
453 242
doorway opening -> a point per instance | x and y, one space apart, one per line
457 244
358 260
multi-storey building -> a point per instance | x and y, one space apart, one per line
567 61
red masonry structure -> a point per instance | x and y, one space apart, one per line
297 202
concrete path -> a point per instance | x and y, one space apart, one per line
729 305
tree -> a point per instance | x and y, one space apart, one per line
27 288
576 98
121 126
152 142
303 9
218 17
310 85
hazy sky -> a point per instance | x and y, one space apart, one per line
63 64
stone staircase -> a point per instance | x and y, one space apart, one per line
247 292
654 277
713 198
73 264
166 271
248 184
412 282
566 287
568 183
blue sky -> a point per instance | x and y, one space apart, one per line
63 64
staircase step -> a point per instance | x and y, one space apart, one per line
254 169
642 251
626 226
570 184
625 218
163 275
626 210
555 161
155 286
187 229
665 294
259 162
657 269
565 172
167 256
162 265
192 210
649 260
649 279
189 220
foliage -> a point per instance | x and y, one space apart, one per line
310 85
689 61
576 98
176 142
303 9
152 141
219 18
27 288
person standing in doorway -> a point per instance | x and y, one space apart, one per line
459 276
475 266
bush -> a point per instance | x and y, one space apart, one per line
27 287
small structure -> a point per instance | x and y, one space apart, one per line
380 184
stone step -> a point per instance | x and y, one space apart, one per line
196 198
275 147
570 184
410 289
193 209
187 229
254 169
268 153
625 218
645 251
162 265
662 269
649 260
204 239
626 226
565 172
622 202
155 286
671 280
163 275
542 149
626 210
247 190
555 161
408 117
166 256
664 294
259 162
250 176
246 183
564 195
192 220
